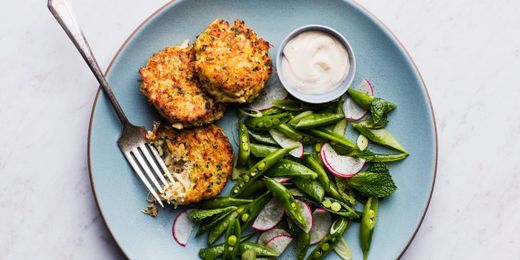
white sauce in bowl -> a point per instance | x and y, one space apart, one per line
315 62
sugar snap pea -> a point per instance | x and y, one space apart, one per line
329 241
362 99
288 168
253 188
378 157
346 193
317 120
302 239
249 213
209 224
379 136
260 150
310 187
232 242
272 111
267 122
222 202
290 105
294 134
323 178
368 223
299 116
214 252
258 169
287 200
244 149
216 231
264 138
334 137
339 208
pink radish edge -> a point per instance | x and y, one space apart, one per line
371 89
309 218
279 243
182 216
270 234
334 171
325 229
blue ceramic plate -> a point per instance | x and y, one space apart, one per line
380 58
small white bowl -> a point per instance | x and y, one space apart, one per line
328 96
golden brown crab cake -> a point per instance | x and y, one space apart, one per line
169 83
232 63
200 159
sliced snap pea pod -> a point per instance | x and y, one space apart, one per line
362 99
221 227
200 215
260 150
209 225
287 200
377 157
310 187
267 122
232 241
248 255
341 127
214 252
244 149
290 132
290 105
330 240
339 208
379 136
338 108
334 137
346 193
264 138
222 202
288 168
260 251
303 239
272 111
317 120
242 112
299 116
258 169
248 215
368 223
313 163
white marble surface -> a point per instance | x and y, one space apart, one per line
468 52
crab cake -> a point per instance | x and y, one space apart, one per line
200 158
169 83
232 63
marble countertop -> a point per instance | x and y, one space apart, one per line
468 53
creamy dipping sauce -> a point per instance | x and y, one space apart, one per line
315 62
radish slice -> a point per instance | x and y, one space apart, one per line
182 227
270 234
279 243
352 110
307 215
282 179
320 225
270 215
273 90
340 165
285 141
362 142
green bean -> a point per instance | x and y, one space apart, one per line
339 208
316 166
287 200
329 241
334 137
222 202
311 188
267 122
199 215
362 99
264 138
248 215
258 169
221 227
299 116
209 225
288 168
290 132
260 150
317 120
243 146
232 242
252 188
368 223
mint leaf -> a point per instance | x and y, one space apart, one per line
378 168
372 184
379 108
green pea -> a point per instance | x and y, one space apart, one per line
325 247
232 240
336 206
327 203
244 217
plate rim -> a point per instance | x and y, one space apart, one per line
354 2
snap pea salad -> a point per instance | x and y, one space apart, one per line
265 170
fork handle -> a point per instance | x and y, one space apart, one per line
62 11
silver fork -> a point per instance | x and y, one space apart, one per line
143 157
